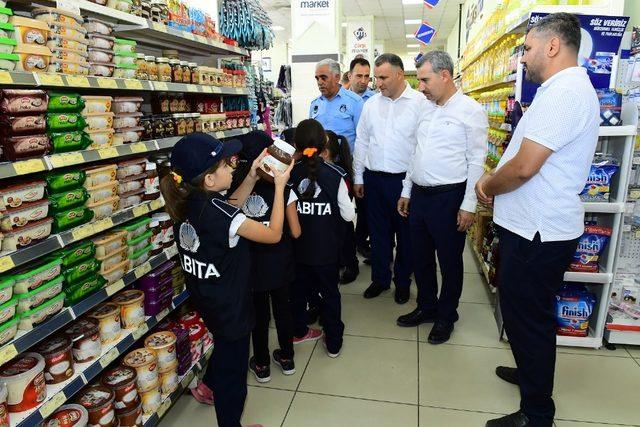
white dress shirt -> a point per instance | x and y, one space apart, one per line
386 134
564 117
452 147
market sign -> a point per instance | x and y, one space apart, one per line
306 12
360 39
425 33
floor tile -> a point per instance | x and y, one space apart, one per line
475 290
364 280
459 377
634 351
376 318
620 351
434 417
369 368
562 423
311 410
278 379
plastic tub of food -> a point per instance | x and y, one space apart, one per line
102 192
51 289
8 310
125 58
127 104
6 29
8 330
131 305
138 243
71 415
98 401
144 361
77 272
24 378
74 68
109 261
7 44
74 32
52 16
131 183
14 196
5 14
26 235
85 334
101 69
77 253
105 208
122 380
58 359
131 418
99 121
100 41
131 167
128 135
25 146
34 276
93 25
76 56
140 257
136 228
63 142
127 120
29 31
32 58
116 272
125 71
169 379
110 243
108 317
85 287
100 175
71 218
96 104
100 55
38 315
6 288
164 345
21 216
132 198
125 46
67 180
56 41
8 61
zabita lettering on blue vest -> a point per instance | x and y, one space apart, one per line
199 269
314 208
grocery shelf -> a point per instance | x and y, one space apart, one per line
58 394
27 339
622 337
595 207
587 342
628 130
183 383
494 84
601 278
518 27
484 268
89 8
166 143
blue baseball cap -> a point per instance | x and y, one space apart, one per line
196 153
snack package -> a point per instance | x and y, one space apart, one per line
598 185
590 247
610 107
574 306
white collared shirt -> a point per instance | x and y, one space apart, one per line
452 147
564 117
386 134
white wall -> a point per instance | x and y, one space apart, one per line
279 54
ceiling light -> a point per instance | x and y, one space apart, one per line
412 1
410 36
344 24
413 45
412 53
412 21
277 28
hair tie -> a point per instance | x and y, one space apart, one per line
177 178
309 152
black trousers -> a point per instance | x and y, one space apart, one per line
530 275
348 255
434 230
284 323
324 279
226 375
362 226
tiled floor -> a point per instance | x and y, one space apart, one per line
388 376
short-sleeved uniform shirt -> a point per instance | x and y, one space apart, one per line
340 114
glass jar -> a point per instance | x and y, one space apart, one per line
164 103
176 71
152 67
169 126
193 123
157 126
164 69
183 104
180 122
195 73
142 71
186 72
147 123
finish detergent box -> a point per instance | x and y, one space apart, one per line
590 247
574 306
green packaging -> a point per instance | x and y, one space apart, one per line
72 218
77 253
66 200
79 271
65 103
61 181
65 122
63 142
79 291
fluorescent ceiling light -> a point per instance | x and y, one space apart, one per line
412 1
344 24
410 36
277 28
412 21
412 53
413 45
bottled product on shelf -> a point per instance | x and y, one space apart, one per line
493 65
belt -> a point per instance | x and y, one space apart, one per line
437 189
389 174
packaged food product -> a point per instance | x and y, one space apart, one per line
8 330
30 300
6 288
80 270
113 259
131 305
128 135
7 44
25 146
137 228
24 378
99 121
21 125
164 69
144 361
98 401
96 104
33 276
58 359
126 120
138 243
77 56
151 399
164 345
132 198
100 175
64 102
122 380
76 253
108 316
56 41
116 273
26 235
125 71
8 61
71 415
51 16
15 195
85 334
83 288
152 67
23 101
100 55
110 243
4 409
131 418
63 142
101 69
6 30
126 104
101 138
140 257
71 31
29 31
143 70
38 315
68 199
5 13
131 167
124 46
93 25
105 208
73 217
65 122
102 192
126 58
28 212
169 379
60 181
74 68
8 310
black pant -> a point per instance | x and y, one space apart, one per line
226 375
348 255
284 323
362 226
530 275
434 230
325 280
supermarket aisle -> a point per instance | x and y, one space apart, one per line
390 377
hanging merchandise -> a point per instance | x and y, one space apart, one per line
247 22
284 78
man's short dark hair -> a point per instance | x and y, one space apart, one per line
391 59
566 26
359 61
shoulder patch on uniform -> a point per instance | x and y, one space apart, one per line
225 207
337 169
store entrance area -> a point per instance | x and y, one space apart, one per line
389 376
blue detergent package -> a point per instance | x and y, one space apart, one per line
574 306
598 185
590 247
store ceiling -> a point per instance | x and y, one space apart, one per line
390 16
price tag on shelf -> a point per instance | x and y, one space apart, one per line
109 357
5 78
160 86
634 194
6 263
66 159
107 83
140 331
192 88
138 147
115 287
159 27
164 407
103 224
156 204
50 79
189 36
78 81
7 353
54 403
133 84
207 89
29 166
220 135
143 269
82 232
164 313
108 153
187 379
140 210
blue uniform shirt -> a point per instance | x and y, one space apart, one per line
367 94
340 115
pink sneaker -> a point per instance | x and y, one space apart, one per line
203 394
311 335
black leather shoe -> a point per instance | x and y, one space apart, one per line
517 419
374 290
349 274
507 374
402 295
440 333
415 318
365 251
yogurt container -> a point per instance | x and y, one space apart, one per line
131 305
164 345
96 104
8 310
144 361
28 301
9 330
104 208
101 138
98 401
99 121
15 195
38 315
122 380
100 175
109 261
24 378
28 212
85 334
31 279
169 380
131 418
58 359
27 235
4 410
116 272
6 289
71 415
110 243
151 399
108 316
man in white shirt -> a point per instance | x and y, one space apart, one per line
439 192
536 187
386 137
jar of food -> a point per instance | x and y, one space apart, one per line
24 378
58 359
151 399
145 363
191 122
162 103
164 69
70 415
195 73
108 316
99 402
130 418
156 238
176 70
122 381
152 67
157 127
164 345
85 335
180 123
131 305
279 157
142 72
169 126
146 123
174 103
183 105
186 72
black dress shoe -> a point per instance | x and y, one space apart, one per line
517 419
507 374
415 318
402 295
374 290
349 274
365 251
440 333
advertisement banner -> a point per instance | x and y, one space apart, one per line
306 12
360 40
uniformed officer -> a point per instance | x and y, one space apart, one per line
212 237
360 77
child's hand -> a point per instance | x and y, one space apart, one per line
281 179
257 163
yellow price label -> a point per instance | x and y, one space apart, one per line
107 153
140 331
107 83
103 224
83 231
5 78
187 379
109 357
216 89
164 313
189 36
140 210
160 86
51 79
7 353
29 166
207 89
192 88
143 269
156 204
66 159
78 81
171 252
159 27
54 403
6 263
138 147
220 135
133 84
164 407
115 287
